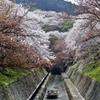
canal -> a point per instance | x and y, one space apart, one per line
56 82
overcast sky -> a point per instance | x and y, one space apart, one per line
73 1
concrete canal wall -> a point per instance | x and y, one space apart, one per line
89 88
22 88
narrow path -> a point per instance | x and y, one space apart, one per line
56 82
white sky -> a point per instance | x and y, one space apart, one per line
73 1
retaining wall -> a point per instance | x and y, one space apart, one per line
22 88
89 88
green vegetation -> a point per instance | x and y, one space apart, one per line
33 9
47 28
11 74
93 70
76 68
65 26
71 80
80 59
71 66
52 40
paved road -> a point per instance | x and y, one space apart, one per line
56 82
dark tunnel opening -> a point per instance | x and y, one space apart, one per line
57 69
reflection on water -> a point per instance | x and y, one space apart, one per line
56 82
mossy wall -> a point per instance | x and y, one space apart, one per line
88 87
22 88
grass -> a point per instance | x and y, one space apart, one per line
67 25
4 80
76 68
81 59
63 27
52 40
71 66
11 75
93 70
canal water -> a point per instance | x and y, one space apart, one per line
56 82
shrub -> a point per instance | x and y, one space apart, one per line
61 27
52 40
67 25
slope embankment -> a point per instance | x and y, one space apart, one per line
88 87
22 88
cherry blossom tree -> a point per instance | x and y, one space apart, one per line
15 53
92 9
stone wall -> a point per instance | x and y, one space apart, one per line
89 88
22 88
